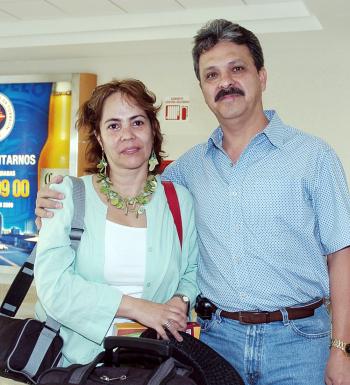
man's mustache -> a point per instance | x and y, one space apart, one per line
229 91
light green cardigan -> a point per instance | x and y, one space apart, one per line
72 289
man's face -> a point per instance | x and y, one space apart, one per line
231 85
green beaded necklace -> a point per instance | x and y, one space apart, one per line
133 205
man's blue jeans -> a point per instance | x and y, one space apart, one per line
288 352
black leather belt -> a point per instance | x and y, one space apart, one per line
258 317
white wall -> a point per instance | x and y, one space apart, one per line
308 81
310 87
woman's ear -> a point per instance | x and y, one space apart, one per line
98 139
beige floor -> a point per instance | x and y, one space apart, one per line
6 381
7 275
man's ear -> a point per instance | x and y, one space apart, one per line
263 78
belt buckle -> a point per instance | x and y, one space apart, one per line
243 314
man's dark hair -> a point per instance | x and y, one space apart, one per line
219 30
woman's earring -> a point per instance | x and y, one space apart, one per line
102 165
152 161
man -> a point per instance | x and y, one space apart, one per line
273 219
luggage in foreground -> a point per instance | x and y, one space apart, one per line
148 361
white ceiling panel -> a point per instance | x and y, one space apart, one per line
264 2
17 1
188 4
5 17
29 10
148 6
80 8
80 25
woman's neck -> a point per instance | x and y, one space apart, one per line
128 183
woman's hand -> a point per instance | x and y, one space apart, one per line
177 302
160 317
45 199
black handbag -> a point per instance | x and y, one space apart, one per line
148 361
135 361
27 346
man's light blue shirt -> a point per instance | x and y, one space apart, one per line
267 222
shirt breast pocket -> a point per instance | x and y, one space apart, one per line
275 205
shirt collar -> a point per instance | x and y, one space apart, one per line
276 132
215 139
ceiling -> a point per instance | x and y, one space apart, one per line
73 27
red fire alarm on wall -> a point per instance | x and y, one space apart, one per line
176 108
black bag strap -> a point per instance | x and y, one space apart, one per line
47 335
24 278
160 348
167 369
18 289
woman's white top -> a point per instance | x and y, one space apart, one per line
125 260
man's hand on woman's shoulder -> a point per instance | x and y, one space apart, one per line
47 199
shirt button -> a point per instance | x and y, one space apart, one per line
148 284
236 227
243 295
234 193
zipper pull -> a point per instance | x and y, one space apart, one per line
108 379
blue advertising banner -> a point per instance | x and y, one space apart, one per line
24 111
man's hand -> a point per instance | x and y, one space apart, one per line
338 368
47 199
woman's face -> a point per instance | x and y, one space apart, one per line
125 133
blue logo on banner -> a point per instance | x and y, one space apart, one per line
7 117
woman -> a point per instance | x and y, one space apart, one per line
129 263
